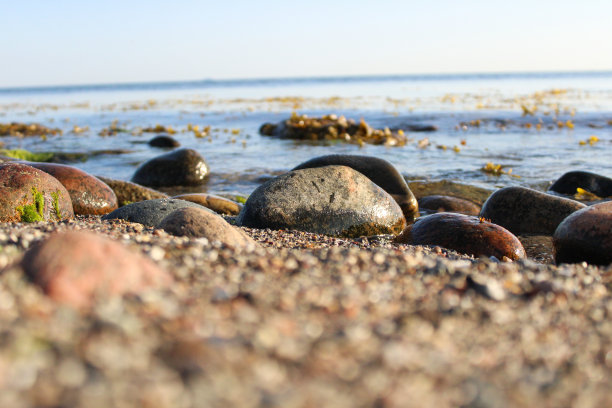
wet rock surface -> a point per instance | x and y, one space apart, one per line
89 195
468 192
164 141
440 203
380 171
149 212
594 183
332 127
465 234
216 203
585 236
75 267
526 211
31 195
332 200
128 192
195 222
182 167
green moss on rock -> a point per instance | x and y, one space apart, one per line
26 155
33 212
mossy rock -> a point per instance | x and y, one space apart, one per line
30 195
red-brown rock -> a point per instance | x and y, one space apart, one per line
463 233
89 195
585 236
29 195
218 204
75 268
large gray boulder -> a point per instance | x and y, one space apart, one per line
331 200
380 171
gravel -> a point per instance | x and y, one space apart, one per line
306 321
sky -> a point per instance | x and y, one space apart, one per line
64 42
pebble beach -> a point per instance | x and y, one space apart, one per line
433 274
308 320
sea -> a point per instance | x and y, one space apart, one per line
492 130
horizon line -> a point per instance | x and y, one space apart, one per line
214 82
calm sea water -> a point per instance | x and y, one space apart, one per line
488 118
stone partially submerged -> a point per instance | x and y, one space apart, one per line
183 167
331 200
332 127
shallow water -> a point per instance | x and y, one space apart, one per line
483 116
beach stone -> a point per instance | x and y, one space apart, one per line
29 195
218 204
149 212
183 167
567 184
90 196
525 211
76 267
468 192
585 236
380 171
128 192
463 233
331 200
440 203
195 222
164 141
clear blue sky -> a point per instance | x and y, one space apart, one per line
56 42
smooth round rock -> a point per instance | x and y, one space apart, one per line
585 236
90 196
77 267
183 167
380 171
128 192
594 183
331 200
525 211
199 223
28 195
218 204
150 212
440 203
164 141
463 233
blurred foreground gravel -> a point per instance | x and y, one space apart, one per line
309 321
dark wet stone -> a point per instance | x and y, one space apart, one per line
128 192
525 211
199 223
218 204
150 212
538 247
77 267
585 236
440 203
29 195
183 167
89 195
463 233
331 200
474 194
380 171
421 128
164 141
594 183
